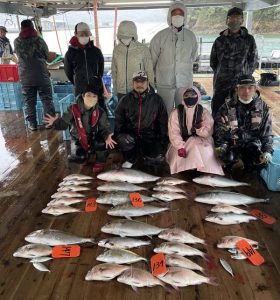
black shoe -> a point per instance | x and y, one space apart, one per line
32 126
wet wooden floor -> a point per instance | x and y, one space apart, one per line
32 165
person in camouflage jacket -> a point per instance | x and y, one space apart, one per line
243 128
233 53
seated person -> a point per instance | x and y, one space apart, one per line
89 128
190 129
141 123
243 128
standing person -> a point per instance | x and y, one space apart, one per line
129 56
83 61
6 50
32 52
174 50
233 53
141 123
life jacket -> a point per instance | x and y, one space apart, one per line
80 128
182 120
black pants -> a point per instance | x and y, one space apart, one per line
218 100
30 99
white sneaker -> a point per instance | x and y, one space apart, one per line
127 165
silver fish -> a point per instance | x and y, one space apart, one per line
179 235
73 183
127 175
73 188
68 194
65 201
226 266
174 260
58 210
120 186
131 228
40 259
238 256
33 250
128 210
229 241
224 197
77 177
168 196
218 181
168 188
117 198
119 256
225 208
39 266
54 237
171 181
229 219
105 272
122 243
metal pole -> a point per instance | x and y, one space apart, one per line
18 23
115 25
249 20
96 23
54 23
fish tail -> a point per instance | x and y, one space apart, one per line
170 289
92 241
213 281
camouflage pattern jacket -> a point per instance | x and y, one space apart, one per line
232 55
247 123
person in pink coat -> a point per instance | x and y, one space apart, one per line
190 129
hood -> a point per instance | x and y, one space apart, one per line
194 88
74 43
244 31
175 5
127 29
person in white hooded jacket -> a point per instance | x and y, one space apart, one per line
173 51
129 56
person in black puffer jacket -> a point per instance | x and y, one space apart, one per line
141 123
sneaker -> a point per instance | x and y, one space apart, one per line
98 168
32 126
127 165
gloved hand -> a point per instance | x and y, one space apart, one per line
198 125
182 152
265 158
221 150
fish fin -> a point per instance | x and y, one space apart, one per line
262 245
213 281
129 218
150 237
175 287
123 236
90 240
134 288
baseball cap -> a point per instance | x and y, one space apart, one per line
246 80
3 28
235 11
82 26
141 75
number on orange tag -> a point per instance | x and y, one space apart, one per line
136 199
91 205
158 265
252 254
66 251
262 216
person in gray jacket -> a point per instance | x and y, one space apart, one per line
173 51
32 52
129 56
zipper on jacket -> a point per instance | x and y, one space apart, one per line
126 59
139 115
85 52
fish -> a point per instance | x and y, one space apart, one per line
33 250
226 266
40 259
122 243
180 236
73 183
218 181
120 256
120 186
168 188
139 278
238 256
128 210
168 196
171 181
77 177
105 272
117 198
131 228
229 241
65 201
225 208
127 175
67 194
180 249
39 266
57 210
52 237
229 219
224 197
73 188
174 260
181 277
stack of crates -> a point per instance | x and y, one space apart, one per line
108 81
271 174
63 90
64 103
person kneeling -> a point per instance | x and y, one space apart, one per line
190 129
89 128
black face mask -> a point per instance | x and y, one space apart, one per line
190 101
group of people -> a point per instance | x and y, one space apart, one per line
159 115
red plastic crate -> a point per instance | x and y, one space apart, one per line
9 73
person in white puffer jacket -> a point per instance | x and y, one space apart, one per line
129 56
173 50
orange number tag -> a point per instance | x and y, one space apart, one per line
158 265
251 253
262 216
91 205
66 251
136 199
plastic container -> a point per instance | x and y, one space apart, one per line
10 96
64 103
108 82
9 73
66 88
271 174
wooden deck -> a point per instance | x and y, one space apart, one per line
32 165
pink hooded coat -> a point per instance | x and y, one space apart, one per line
200 148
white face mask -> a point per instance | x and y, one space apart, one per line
83 40
177 21
126 41
245 101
